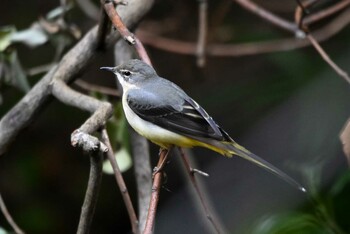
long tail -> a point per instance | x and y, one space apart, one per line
232 148
240 151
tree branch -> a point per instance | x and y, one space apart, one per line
140 148
328 60
203 202
121 183
71 65
157 184
202 32
244 49
269 16
124 31
97 88
326 12
9 218
92 191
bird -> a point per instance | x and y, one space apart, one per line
162 112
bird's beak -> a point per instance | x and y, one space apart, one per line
107 68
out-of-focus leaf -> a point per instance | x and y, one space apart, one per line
3 231
5 36
339 195
340 184
123 159
11 71
33 36
58 11
345 140
18 77
294 223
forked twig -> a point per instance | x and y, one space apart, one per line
124 31
328 60
191 173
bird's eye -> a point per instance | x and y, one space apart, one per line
126 73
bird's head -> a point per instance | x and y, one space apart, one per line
132 72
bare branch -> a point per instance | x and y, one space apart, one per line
117 22
102 29
9 218
190 172
124 31
92 191
326 12
121 183
102 111
71 65
202 32
269 16
328 60
97 88
157 184
142 52
140 148
244 49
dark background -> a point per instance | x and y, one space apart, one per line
287 107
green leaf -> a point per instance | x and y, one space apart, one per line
3 231
123 159
340 184
293 223
5 36
58 11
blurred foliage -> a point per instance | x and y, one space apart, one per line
43 178
52 28
326 212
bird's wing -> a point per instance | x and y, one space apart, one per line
177 114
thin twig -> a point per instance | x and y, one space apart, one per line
244 49
9 218
141 51
96 88
121 183
91 195
327 59
326 12
269 16
218 17
103 27
126 34
202 31
70 66
117 22
157 183
191 172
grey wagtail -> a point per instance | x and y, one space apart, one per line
162 112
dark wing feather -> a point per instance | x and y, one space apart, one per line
185 117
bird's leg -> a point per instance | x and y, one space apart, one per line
161 165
